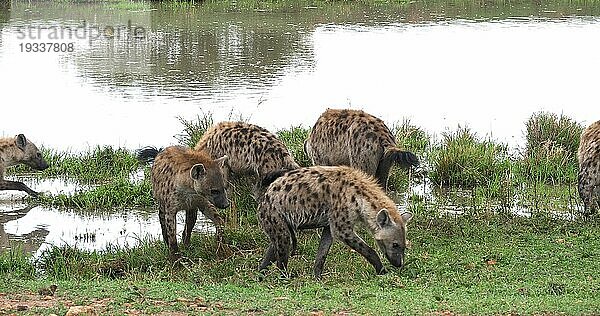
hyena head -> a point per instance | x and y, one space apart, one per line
31 154
209 182
391 236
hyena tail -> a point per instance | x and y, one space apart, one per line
405 159
147 154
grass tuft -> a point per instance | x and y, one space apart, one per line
551 149
464 160
194 129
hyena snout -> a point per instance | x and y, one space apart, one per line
38 162
394 253
220 200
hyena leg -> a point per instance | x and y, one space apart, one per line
282 252
587 188
168 222
324 245
268 259
356 243
190 221
294 241
15 185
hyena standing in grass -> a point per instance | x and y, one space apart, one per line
589 168
19 150
356 139
185 179
336 199
252 150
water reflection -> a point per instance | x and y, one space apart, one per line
28 242
487 65
37 228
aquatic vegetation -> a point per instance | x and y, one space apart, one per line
465 160
551 149
96 165
552 131
194 129
120 192
411 137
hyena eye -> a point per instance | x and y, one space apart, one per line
39 154
395 245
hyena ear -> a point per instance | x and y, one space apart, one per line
221 161
21 141
383 218
406 216
198 171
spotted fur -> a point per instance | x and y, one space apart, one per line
19 150
335 199
186 179
589 168
252 150
356 139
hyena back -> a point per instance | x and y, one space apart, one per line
19 150
335 199
356 139
589 168
251 149
186 179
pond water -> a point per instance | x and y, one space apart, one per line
132 71
125 72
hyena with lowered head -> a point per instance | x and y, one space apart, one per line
19 150
336 199
185 179
589 168
356 139
252 150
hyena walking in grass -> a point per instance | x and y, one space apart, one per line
252 150
335 199
356 139
19 150
589 168
185 179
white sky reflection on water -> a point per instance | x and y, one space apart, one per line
490 75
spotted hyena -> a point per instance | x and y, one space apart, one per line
356 139
589 168
335 199
252 150
19 150
186 179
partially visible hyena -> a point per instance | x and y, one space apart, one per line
186 179
356 139
19 150
336 199
252 150
589 168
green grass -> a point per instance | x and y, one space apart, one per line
463 159
505 265
551 148
119 192
99 164
294 138
194 129
485 261
411 137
